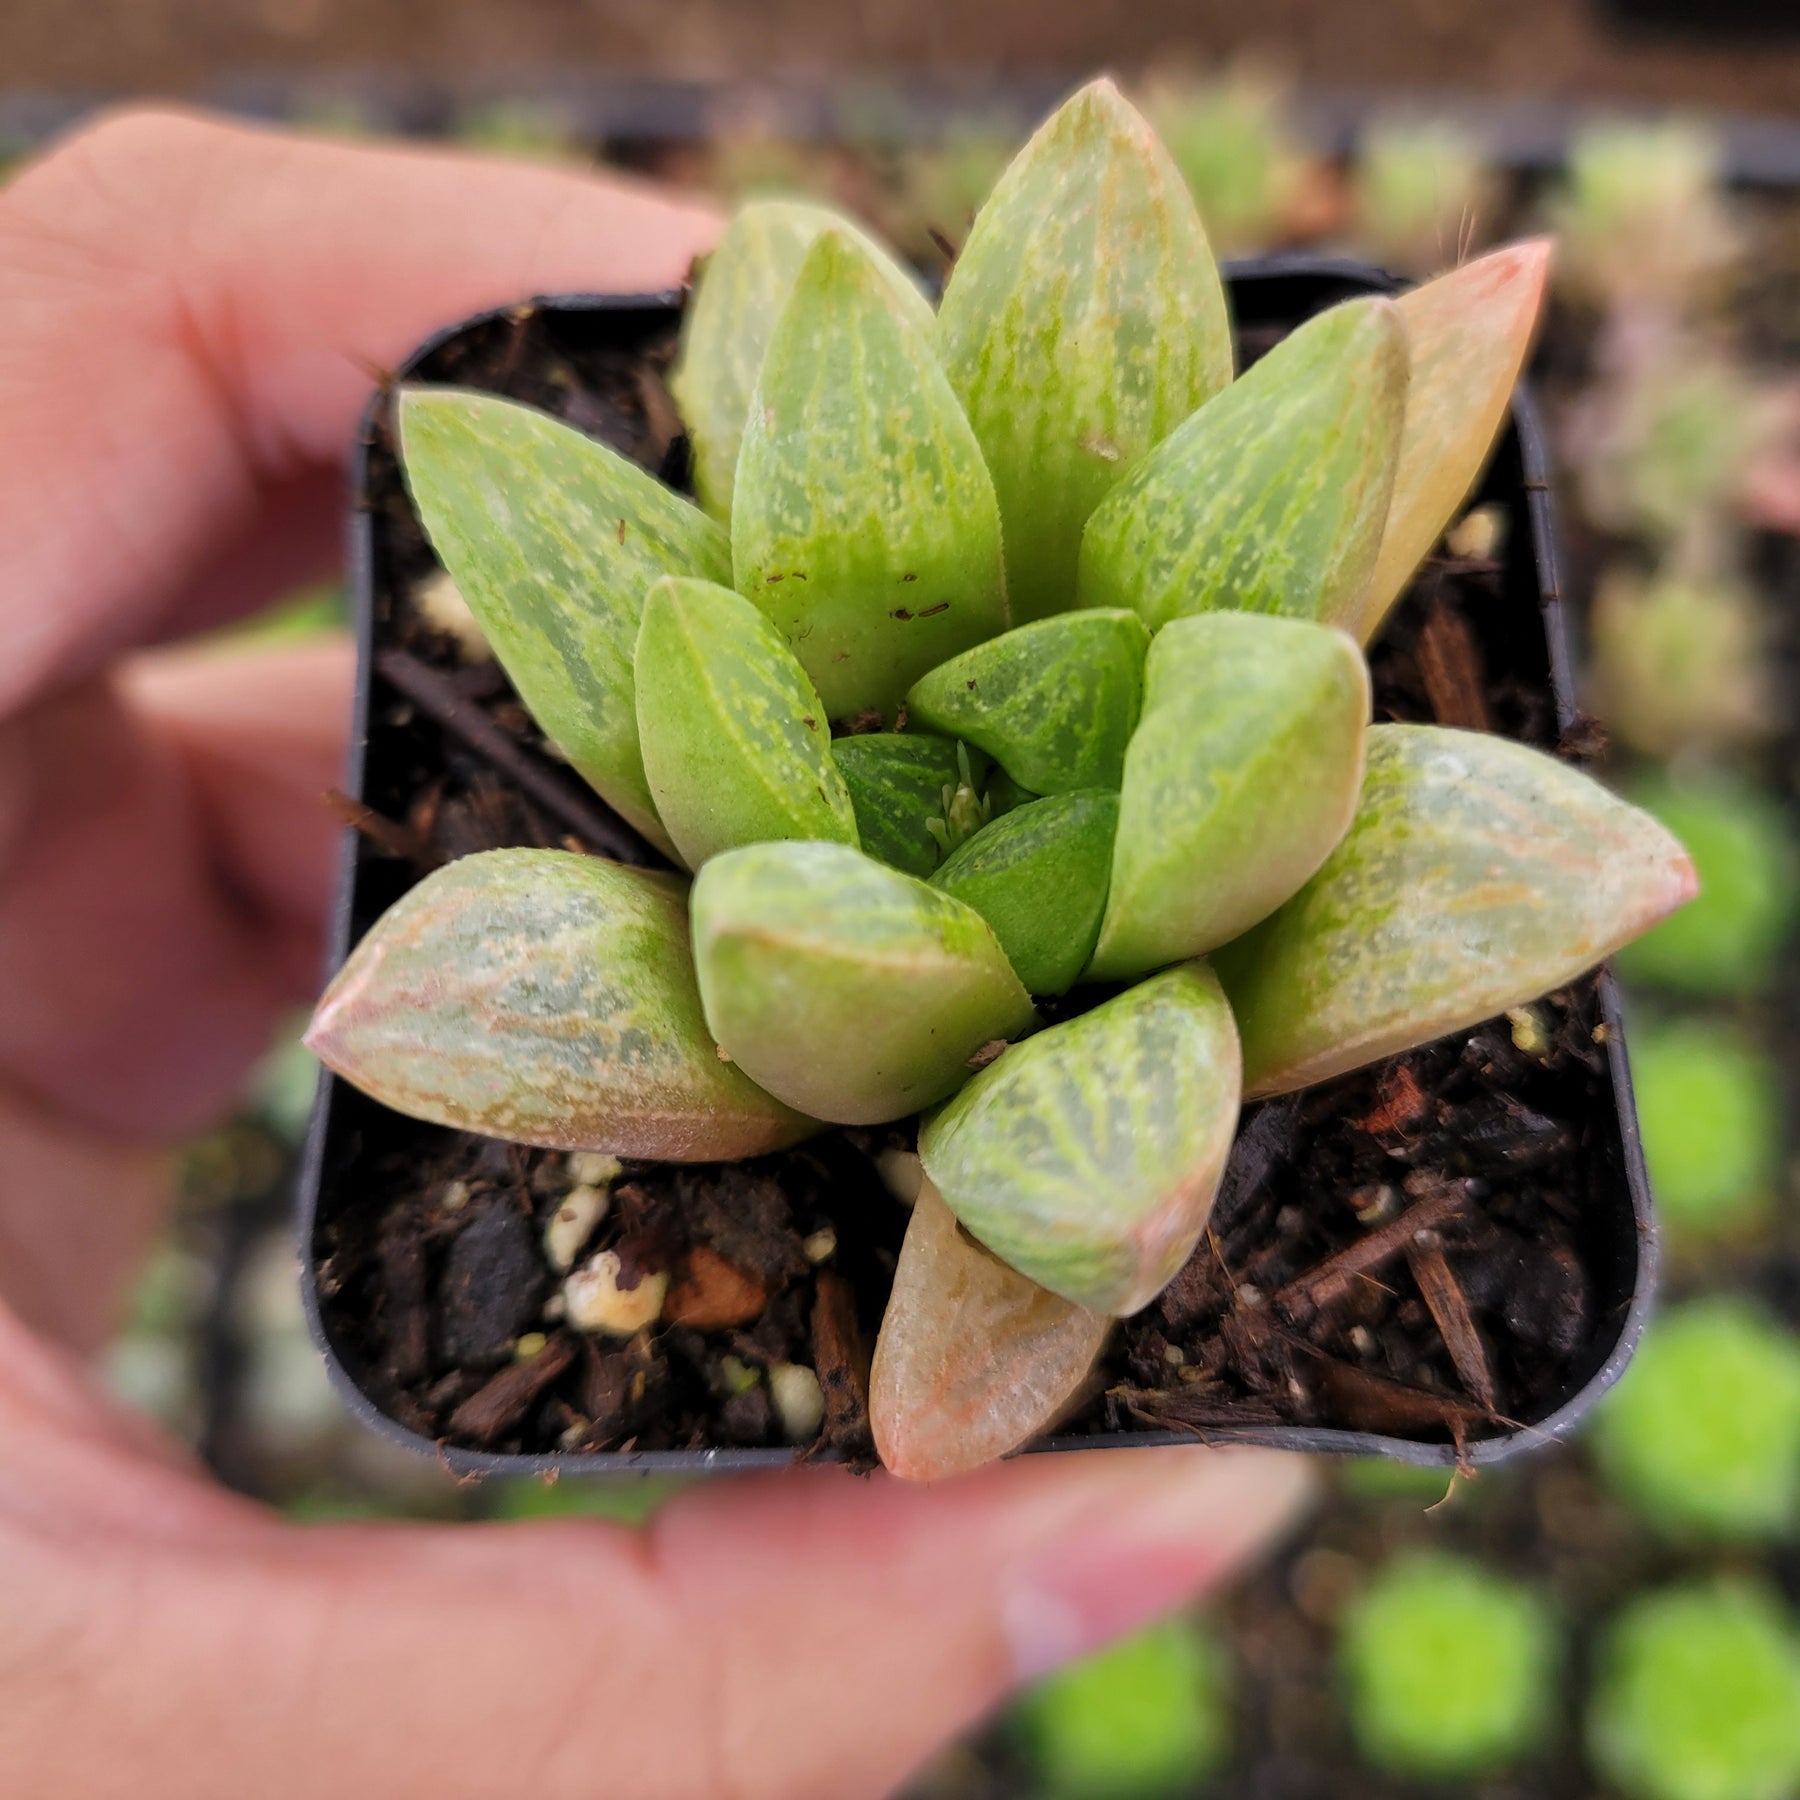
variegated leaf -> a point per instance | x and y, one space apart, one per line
1272 497
1467 333
897 783
1242 776
1038 876
1083 321
844 987
735 742
1054 702
742 288
864 522
1087 1157
1477 875
973 1359
550 999
553 540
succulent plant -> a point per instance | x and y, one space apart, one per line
1710 1109
1680 662
1449 1666
1147 1716
1702 1437
1422 192
1748 864
1698 1695
1017 647
1642 217
1231 138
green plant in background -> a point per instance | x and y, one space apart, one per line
1231 140
1449 1668
1680 662
1641 218
1710 1108
1164 665
943 185
529 130
1702 1437
1728 941
1662 445
1146 1717
620 1502
1697 1696
311 612
1423 194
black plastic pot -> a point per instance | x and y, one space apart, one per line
1268 296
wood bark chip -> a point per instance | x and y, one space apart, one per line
403 842
841 1361
1450 1309
437 695
1450 664
492 1411
1330 1281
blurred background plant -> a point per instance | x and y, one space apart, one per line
1615 1612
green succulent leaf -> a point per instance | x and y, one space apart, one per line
864 521
1477 875
741 291
1087 1157
1084 320
1242 776
736 746
898 782
553 540
1272 497
843 985
973 1358
550 999
1038 876
1467 333
1054 702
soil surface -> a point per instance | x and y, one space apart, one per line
1437 1248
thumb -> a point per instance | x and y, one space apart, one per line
859 1629
804 1636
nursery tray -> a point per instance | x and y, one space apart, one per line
1521 1165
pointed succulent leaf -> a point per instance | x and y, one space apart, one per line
973 1358
1271 498
1087 1157
1053 702
1242 776
864 522
553 539
1038 876
1477 875
900 784
1084 320
742 288
838 983
1467 333
736 746
549 999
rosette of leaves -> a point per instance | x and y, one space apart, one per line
1015 652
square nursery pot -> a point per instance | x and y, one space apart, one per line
1471 1216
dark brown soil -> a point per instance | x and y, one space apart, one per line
1437 1248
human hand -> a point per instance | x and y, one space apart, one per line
188 317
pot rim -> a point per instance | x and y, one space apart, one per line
1535 463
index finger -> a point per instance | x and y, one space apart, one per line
191 313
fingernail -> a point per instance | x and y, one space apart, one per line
1175 1524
